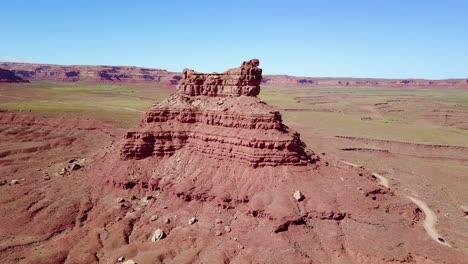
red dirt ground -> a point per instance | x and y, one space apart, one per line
215 170
80 217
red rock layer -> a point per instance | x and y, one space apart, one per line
235 125
244 80
88 73
7 76
78 73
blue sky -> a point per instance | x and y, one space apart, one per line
361 38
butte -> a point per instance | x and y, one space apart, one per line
215 169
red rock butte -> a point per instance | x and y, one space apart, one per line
218 115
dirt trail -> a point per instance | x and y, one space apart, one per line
119 107
351 164
383 181
430 218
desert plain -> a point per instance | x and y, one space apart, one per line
60 204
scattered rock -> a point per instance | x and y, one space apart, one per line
120 200
298 195
146 200
218 233
158 235
63 171
13 182
218 221
75 166
227 229
192 221
3 182
153 218
167 221
120 259
129 262
465 210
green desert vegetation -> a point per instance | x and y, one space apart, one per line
410 115
121 104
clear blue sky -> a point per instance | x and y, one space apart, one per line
360 38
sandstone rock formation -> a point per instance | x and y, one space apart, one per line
218 115
7 76
244 80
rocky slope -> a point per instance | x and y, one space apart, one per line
7 76
211 175
74 73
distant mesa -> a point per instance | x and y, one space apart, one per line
84 73
7 76
130 74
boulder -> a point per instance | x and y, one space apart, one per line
158 235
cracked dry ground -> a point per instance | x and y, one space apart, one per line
244 214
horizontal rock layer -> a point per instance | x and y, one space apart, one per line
218 115
7 76
244 80
216 118
91 73
82 73
232 136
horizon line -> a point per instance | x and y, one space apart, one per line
272 74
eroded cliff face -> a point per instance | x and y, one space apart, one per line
244 80
87 73
7 76
218 115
